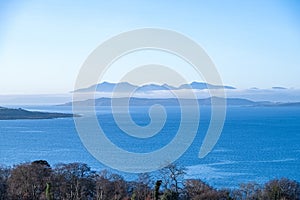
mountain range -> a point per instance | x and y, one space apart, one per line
158 91
174 102
125 86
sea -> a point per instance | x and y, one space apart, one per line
257 144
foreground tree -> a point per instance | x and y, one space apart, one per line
173 178
4 174
141 188
73 181
281 189
156 189
248 191
169 195
29 181
110 186
198 190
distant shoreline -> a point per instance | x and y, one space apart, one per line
19 114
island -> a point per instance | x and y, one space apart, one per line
14 114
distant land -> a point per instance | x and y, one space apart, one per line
289 104
279 88
201 90
125 86
174 102
13 114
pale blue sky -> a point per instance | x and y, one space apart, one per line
44 43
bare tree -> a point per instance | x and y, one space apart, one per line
198 190
141 188
73 181
281 189
173 177
110 186
29 180
248 191
4 174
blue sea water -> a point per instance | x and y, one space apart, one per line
256 144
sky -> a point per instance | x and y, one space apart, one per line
43 44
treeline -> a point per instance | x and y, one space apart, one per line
74 181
